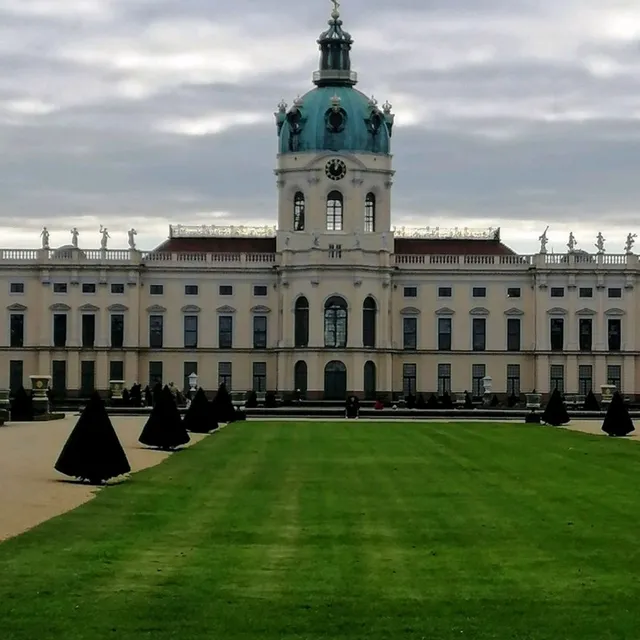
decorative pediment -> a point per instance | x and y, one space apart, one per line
585 312
191 308
614 312
514 312
16 306
479 311
444 311
156 308
557 311
89 307
60 306
410 311
260 308
225 309
118 307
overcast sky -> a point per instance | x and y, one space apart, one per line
510 113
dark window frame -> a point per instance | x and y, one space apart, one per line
336 323
585 334
445 333
334 211
514 334
60 330
225 331
369 321
88 328
370 213
156 331
556 334
479 334
17 326
301 322
190 327
614 334
260 331
116 330
410 333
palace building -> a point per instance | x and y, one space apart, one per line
331 300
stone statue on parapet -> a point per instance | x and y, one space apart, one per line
544 240
105 238
572 242
45 238
600 240
631 240
74 237
132 238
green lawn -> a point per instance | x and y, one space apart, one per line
343 531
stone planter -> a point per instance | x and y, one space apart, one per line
39 387
116 387
607 391
533 401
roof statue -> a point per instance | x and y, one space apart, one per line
544 240
631 239
600 240
572 242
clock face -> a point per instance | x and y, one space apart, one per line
336 169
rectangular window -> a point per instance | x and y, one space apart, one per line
513 334
409 379
557 292
87 377
260 290
615 292
156 331
88 330
478 372
155 373
556 378
59 287
585 327
59 377
16 375
260 377
479 334
513 292
586 292
614 334
557 334
191 332
156 289
445 328
411 292
16 330
335 251
16 287
444 292
479 292
88 287
224 374
410 333
59 329
187 369
117 288
513 379
225 332
190 289
585 379
116 370
614 376
117 330
444 379
259 332
225 290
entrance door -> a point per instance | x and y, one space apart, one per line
335 381
369 380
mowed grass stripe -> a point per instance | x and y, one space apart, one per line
344 530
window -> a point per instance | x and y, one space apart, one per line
16 375
369 313
117 288
369 376
586 292
187 369
259 377
16 287
556 378
59 329
87 377
191 332
225 290
479 334
513 292
586 334
614 376
478 372
225 332
259 332
190 289
116 370
479 292
444 292
411 292
615 292
59 287
513 334
301 322
59 377
335 251
88 330
513 379
260 290
88 287
224 374
155 373
156 331
156 289
557 334
585 379
298 211
409 379
444 379
300 376
335 323
557 292
117 330
16 330
370 213
334 211
614 334
445 329
410 333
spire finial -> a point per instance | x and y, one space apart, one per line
335 14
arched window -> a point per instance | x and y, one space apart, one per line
298 211
301 322
335 322
369 312
370 213
369 380
334 211
300 377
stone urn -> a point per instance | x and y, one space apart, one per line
487 392
39 387
460 399
607 391
116 387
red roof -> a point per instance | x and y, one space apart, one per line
219 244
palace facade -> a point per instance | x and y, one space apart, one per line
333 299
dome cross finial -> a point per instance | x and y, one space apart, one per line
335 14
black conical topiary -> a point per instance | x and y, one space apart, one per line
617 422
591 403
447 402
93 451
432 402
199 418
555 413
222 406
22 406
164 428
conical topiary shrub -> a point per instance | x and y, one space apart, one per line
199 418
494 401
555 413
512 401
591 403
447 402
617 422
164 428
222 406
93 451
432 402
22 406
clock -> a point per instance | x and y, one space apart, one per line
335 169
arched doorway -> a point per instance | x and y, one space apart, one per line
300 377
370 380
335 381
